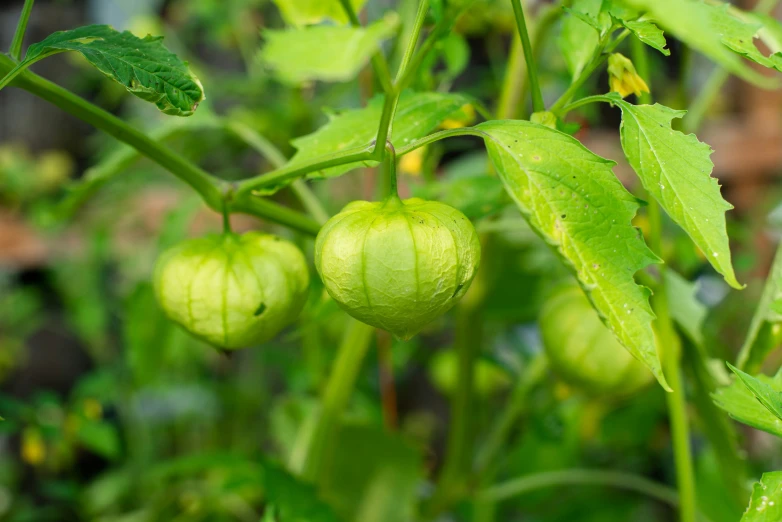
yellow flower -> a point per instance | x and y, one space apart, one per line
33 447
412 162
464 118
622 77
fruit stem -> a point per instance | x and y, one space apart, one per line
389 171
227 197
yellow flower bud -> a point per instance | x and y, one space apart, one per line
33 447
465 117
622 77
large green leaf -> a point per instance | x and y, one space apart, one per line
326 53
648 33
742 405
416 115
676 170
766 502
721 32
579 38
306 12
572 199
372 475
686 310
142 65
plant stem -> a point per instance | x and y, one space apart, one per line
265 148
339 387
210 189
389 170
671 356
437 136
641 63
379 64
420 18
16 44
580 477
507 107
532 71
596 62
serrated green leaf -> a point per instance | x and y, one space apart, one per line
296 501
417 114
714 30
676 170
307 12
572 199
742 405
578 40
142 65
765 505
648 33
325 53
770 398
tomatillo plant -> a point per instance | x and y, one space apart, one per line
488 234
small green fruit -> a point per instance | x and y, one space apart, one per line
397 265
232 290
583 351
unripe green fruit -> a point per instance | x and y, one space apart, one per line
488 378
583 351
232 290
397 265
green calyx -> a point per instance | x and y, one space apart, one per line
585 353
397 264
232 290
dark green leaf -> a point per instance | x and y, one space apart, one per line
142 65
295 501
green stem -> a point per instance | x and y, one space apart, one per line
379 64
16 44
641 63
532 71
389 170
207 186
341 383
596 62
273 155
671 357
507 107
420 18
580 477
437 136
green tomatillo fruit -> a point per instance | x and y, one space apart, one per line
397 265
232 290
583 351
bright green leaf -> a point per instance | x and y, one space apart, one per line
578 40
766 502
648 33
416 115
770 398
572 199
326 53
742 405
676 170
307 12
714 30
99 437
142 65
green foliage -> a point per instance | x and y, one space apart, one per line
572 199
142 65
676 170
579 39
769 397
742 403
292 499
306 12
766 502
325 53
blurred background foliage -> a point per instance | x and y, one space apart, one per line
114 414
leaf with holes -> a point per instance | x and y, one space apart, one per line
676 170
572 199
142 65
766 502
